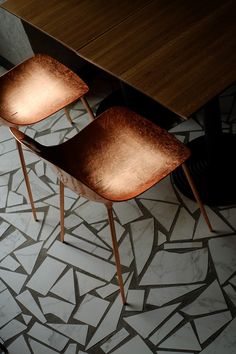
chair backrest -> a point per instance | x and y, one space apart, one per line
48 154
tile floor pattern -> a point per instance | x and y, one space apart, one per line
63 298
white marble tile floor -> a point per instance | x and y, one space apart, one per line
180 279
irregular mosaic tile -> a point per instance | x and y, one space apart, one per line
61 123
42 280
12 329
39 188
110 320
105 233
50 222
230 215
177 268
164 330
4 179
54 201
91 310
210 300
99 225
170 352
10 161
79 114
27 318
225 342
85 233
135 300
31 305
208 325
21 207
7 146
87 246
114 340
169 246
14 280
77 332
92 212
143 237
164 213
2 286
184 226
9 308
19 346
127 211
53 237
189 124
59 308
71 194
40 168
220 227
17 179
72 220
161 296
48 336
87 283
184 339
107 290
224 262
14 199
51 175
83 260
189 204
3 227
71 349
5 133
9 263
161 191
79 201
3 196
50 139
126 252
135 345
233 280
161 238
145 322
23 222
231 293
39 348
194 135
27 256
30 132
65 287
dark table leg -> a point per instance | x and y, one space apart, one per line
212 162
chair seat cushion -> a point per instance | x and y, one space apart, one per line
37 88
120 154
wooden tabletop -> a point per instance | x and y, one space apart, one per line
74 22
181 53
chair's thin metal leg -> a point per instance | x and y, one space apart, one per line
22 160
196 195
86 105
116 252
68 116
62 211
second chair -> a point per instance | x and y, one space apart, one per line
34 90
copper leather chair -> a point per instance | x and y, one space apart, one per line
116 157
34 90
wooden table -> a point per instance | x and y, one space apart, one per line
181 53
